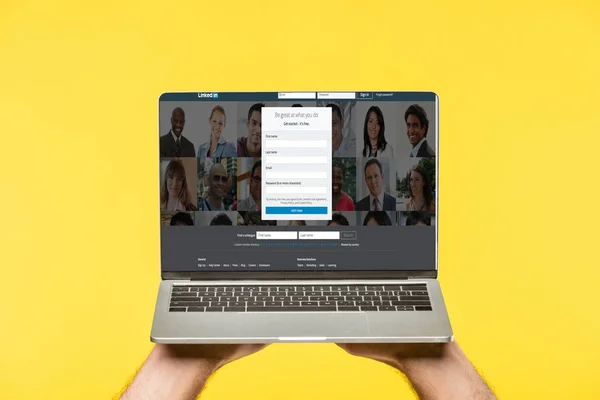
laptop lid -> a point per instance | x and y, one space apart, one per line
302 185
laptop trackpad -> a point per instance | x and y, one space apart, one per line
294 326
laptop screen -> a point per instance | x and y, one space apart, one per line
272 181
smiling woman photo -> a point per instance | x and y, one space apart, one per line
375 144
216 145
174 193
342 201
420 191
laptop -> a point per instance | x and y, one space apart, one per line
299 217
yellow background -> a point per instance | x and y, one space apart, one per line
520 129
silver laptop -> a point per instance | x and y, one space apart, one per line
299 217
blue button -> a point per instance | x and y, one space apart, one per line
296 210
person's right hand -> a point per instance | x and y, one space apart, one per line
436 370
400 355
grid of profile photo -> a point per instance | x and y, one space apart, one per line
383 163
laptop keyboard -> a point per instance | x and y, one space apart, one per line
316 298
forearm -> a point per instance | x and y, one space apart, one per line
451 376
165 376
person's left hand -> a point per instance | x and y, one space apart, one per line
213 355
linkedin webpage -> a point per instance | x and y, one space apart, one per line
298 180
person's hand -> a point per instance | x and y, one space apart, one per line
436 370
399 355
214 356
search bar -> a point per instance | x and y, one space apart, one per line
297 95
336 95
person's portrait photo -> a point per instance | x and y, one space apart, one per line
179 218
215 218
417 138
178 185
254 218
377 186
249 182
416 218
343 181
172 142
416 183
378 127
342 127
219 135
216 184
377 218
249 129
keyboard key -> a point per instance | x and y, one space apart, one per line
417 293
234 309
327 303
387 308
177 309
255 304
392 287
214 309
318 298
211 298
180 289
280 298
375 288
413 303
273 303
237 304
278 293
291 303
295 293
414 297
287 288
196 309
382 303
356 288
423 308
368 308
346 303
339 288
348 308
314 293
264 298
310 303
246 298
335 298
414 287
354 298
297 309
227 299
218 304
189 303
298 298
325 293
364 303
185 294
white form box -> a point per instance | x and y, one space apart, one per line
296 163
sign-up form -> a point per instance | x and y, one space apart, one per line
296 163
